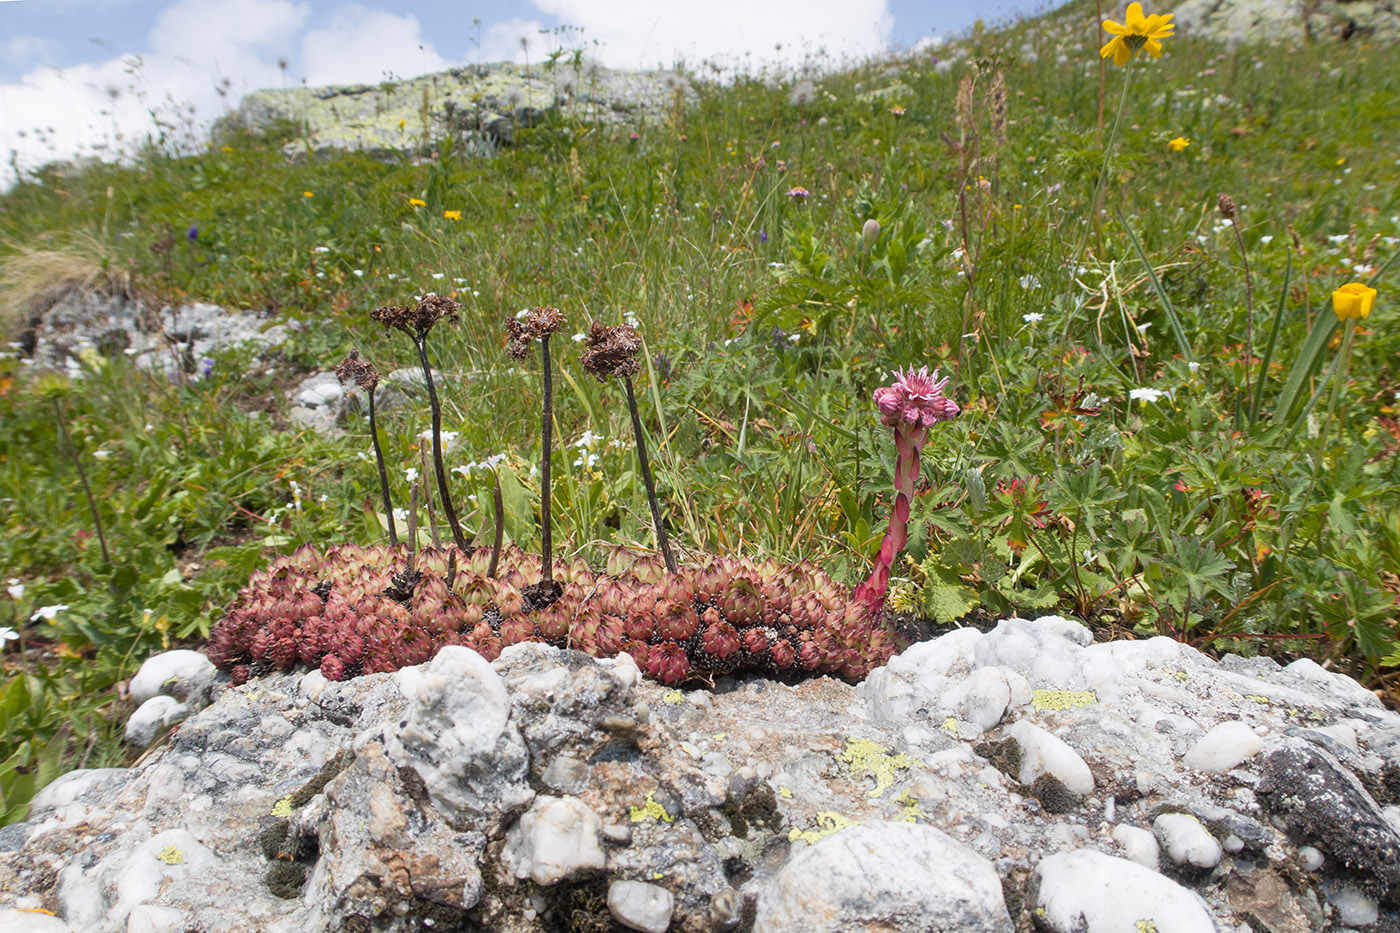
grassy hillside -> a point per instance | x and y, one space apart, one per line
1248 500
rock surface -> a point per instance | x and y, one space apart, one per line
549 790
1247 21
478 107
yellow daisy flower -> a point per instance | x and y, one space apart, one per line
1139 32
417 202
1180 143
452 215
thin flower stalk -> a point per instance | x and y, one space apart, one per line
540 324
364 375
612 351
417 322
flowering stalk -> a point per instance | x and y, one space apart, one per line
417 322
539 324
912 405
612 351
364 374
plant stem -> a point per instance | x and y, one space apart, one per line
546 442
446 497
428 501
500 525
662 541
82 476
383 474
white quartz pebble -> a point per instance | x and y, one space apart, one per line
1186 841
557 837
152 716
641 906
1139 845
1223 748
1043 753
1088 892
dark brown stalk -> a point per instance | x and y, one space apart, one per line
438 468
500 526
547 440
383 474
428 501
662 541
82 476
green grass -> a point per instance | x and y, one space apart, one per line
1249 508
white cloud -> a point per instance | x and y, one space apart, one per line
502 41
204 54
643 33
362 45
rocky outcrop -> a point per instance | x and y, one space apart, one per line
1254 21
478 107
1021 779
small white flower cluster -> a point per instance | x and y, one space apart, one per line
489 464
48 613
586 458
296 494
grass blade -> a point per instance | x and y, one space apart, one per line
1269 347
1177 331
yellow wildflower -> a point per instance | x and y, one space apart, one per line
307 194
897 110
417 202
452 215
1180 143
1139 32
1353 300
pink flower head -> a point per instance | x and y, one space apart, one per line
915 400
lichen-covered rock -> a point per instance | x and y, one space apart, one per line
386 801
479 107
1325 805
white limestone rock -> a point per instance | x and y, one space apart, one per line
1039 651
151 717
182 674
1186 841
1088 892
882 875
641 906
1224 748
558 837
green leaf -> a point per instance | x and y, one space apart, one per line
1202 566
520 510
948 602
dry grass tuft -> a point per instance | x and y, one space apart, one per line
32 280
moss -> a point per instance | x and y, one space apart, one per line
329 770
1054 796
759 805
1004 755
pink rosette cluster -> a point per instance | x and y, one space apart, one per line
912 405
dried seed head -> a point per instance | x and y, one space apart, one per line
963 103
358 369
997 103
418 320
611 351
533 325
1226 205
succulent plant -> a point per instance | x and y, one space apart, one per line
912 405
340 611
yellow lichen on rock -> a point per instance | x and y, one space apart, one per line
867 757
1063 699
828 822
651 810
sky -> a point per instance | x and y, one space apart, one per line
92 76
